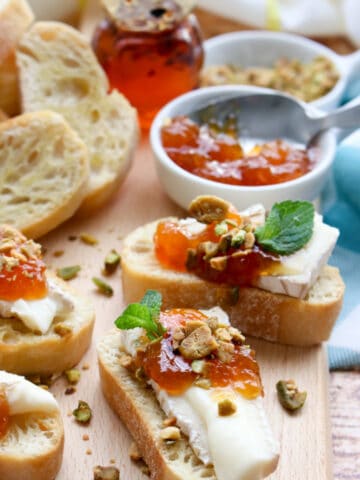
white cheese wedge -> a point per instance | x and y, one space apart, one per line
305 265
25 397
38 315
307 262
240 446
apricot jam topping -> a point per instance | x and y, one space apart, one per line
164 363
22 272
217 155
4 413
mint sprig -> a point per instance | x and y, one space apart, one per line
288 227
144 315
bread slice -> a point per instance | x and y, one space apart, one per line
25 352
43 172
139 409
15 17
274 317
33 447
59 71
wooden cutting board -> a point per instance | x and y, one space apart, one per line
304 437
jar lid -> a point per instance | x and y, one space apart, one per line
147 15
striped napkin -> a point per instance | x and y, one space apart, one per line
341 208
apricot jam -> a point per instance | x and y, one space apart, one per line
4 414
21 276
218 156
151 51
174 374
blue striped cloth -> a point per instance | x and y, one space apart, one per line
341 208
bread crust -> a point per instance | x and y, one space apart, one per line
72 83
139 409
42 466
15 17
24 352
274 317
71 165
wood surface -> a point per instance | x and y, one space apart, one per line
305 439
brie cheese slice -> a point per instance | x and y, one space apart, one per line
240 446
25 397
38 315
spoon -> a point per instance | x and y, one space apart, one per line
270 115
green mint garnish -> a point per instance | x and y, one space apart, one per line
288 227
144 315
221 229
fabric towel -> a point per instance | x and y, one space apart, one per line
341 208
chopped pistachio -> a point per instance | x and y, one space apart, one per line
198 366
68 273
62 330
111 262
238 238
106 473
82 413
208 208
170 433
103 287
204 383
219 263
289 395
221 228
73 375
88 239
226 407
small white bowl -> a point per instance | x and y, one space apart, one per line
263 49
183 186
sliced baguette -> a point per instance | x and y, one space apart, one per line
274 317
139 409
43 172
15 17
27 353
32 448
59 71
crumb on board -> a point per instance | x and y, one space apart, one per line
86 366
85 437
88 451
70 390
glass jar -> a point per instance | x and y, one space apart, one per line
151 51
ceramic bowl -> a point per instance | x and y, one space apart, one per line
263 49
183 186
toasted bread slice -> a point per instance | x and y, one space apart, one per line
59 71
274 317
139 409
15 17
25 352
43 172
33 447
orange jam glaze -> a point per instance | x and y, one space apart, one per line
25 280
4 414
172 241
174 374
216 156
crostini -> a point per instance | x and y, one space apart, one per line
31 431
203 416
268 272
45 327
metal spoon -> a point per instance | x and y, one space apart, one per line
270 115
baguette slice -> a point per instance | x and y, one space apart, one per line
138 407
26 353
59 71
15 17
256 312
43 172
33 447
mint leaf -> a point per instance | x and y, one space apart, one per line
152 299
144 315
288 227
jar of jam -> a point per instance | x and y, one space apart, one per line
151 51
